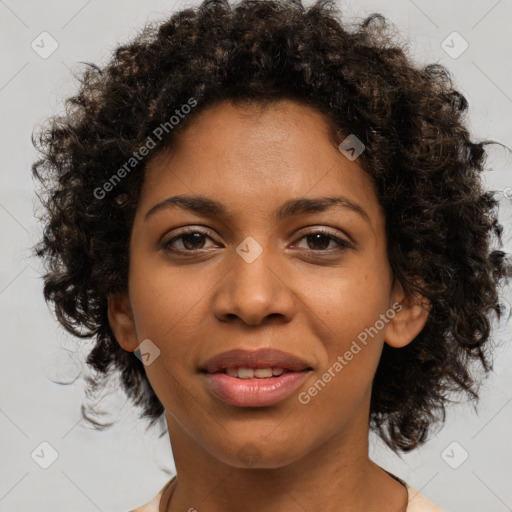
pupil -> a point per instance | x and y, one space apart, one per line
188 237
315 237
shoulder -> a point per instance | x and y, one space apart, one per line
154 504
417 502
420 503
151 506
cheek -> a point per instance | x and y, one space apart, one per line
170 310
167 314
351 353
165 299
352 316
347 301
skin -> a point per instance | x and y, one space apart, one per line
293 297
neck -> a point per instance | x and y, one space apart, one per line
336 476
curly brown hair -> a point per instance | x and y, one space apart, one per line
440 222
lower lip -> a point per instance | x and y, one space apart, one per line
254 392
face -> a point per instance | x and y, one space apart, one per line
248 273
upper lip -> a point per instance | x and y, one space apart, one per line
261 358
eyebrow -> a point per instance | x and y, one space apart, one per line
302 205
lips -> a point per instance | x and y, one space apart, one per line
262 358
256 378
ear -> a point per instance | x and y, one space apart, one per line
122 323
410 317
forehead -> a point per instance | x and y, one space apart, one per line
254 157
257 133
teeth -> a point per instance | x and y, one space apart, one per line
245 373
232 372
263 372
250 373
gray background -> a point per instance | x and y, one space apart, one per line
125 466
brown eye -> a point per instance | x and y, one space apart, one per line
320 241
190 240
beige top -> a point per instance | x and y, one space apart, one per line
417 501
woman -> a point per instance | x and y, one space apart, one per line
265 207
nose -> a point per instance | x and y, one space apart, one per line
255 292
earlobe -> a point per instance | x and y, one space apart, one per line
408 321
120 317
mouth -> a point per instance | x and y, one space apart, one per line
253 373
261 359
259 378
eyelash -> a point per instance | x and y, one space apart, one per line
342 243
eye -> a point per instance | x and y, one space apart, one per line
320 240
191 239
